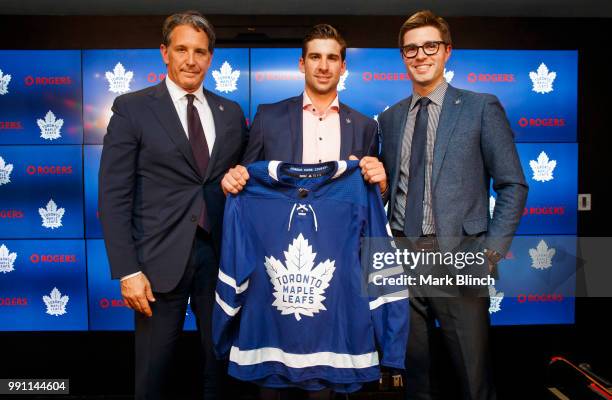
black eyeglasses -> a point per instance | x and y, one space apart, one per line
429 48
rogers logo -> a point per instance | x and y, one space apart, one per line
47 80
113 303
10 125
11 214
53 258
473 77
545 122
13 301
278 76
544 211
153 77
49 170
385 76
539 298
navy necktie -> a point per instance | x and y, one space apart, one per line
199 147
413 222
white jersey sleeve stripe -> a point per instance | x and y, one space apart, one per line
228 280
401 295
229 310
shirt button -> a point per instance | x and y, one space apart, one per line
194 218
320 119
303 192
320 138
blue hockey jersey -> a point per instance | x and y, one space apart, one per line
290 306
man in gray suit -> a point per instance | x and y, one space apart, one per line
442 146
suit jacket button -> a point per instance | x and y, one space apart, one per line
194 218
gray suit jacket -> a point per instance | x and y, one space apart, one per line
474 144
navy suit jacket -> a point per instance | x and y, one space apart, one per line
276 133
474 144
150 189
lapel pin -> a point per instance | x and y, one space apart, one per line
457 101
348 120
221 107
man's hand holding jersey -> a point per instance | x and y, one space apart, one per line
234 180
373 171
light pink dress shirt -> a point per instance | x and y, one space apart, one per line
321 132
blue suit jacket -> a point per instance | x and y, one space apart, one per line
474 144
150 189
276 133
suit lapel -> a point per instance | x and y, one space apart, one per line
165 112
296 123
218 113
398 127
451 109
346 132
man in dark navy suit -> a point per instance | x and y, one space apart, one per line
313 127
161 204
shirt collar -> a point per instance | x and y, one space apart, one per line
307 105
436 97
177 93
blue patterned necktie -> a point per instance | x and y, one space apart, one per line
413 221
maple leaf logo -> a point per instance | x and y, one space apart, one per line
50 127
448 75
56 303
5 172
491 206
119 80
51 216
543 168
541 256
496 300
7 259
342 82
298 287
542 80
4 81
226 78
376 116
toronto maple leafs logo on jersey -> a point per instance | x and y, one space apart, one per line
5 172
542 79
449 75
543 168
299 286
50 127
119 80
7 259
51 215
496 300
226 78
56 302
4 81
541 256
342 82
491 206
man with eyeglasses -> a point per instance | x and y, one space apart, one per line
442 146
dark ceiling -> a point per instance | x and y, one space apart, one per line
449 8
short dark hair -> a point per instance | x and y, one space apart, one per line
324 31
192 18
425 18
